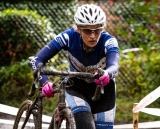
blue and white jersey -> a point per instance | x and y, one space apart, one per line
80 60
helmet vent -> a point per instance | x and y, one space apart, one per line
81 20
82 14
87 18
96 18
85 11
90 11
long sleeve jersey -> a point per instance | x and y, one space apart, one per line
104 55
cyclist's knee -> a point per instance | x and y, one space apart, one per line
77 104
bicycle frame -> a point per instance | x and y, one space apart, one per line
36 103
64 111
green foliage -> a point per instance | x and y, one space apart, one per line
49 105
139 73
22 33
140 23
144 68
15 82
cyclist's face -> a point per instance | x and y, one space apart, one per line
90 34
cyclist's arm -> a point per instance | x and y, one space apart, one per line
112 63
43 56
61 41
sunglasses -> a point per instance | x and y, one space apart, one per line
90 31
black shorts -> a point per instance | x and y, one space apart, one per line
86 91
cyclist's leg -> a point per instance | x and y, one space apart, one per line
84 120
105 120
82 112
104 113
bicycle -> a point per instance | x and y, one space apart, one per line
33 108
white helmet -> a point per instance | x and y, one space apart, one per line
89 14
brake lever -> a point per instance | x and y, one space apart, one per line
100 73
98 90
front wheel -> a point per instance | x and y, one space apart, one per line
63 119
22 114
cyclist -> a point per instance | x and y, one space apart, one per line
88 47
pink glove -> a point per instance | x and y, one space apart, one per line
47 89
103 80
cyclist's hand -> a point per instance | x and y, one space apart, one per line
102 80
47 89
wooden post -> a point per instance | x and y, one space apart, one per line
135 118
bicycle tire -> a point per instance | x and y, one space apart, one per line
65 115
21 115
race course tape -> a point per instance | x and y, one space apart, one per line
151 111
151 97
13 111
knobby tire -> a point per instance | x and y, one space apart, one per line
65 114
20 119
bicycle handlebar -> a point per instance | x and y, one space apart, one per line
40 71
66 73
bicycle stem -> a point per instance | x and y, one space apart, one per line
62 94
